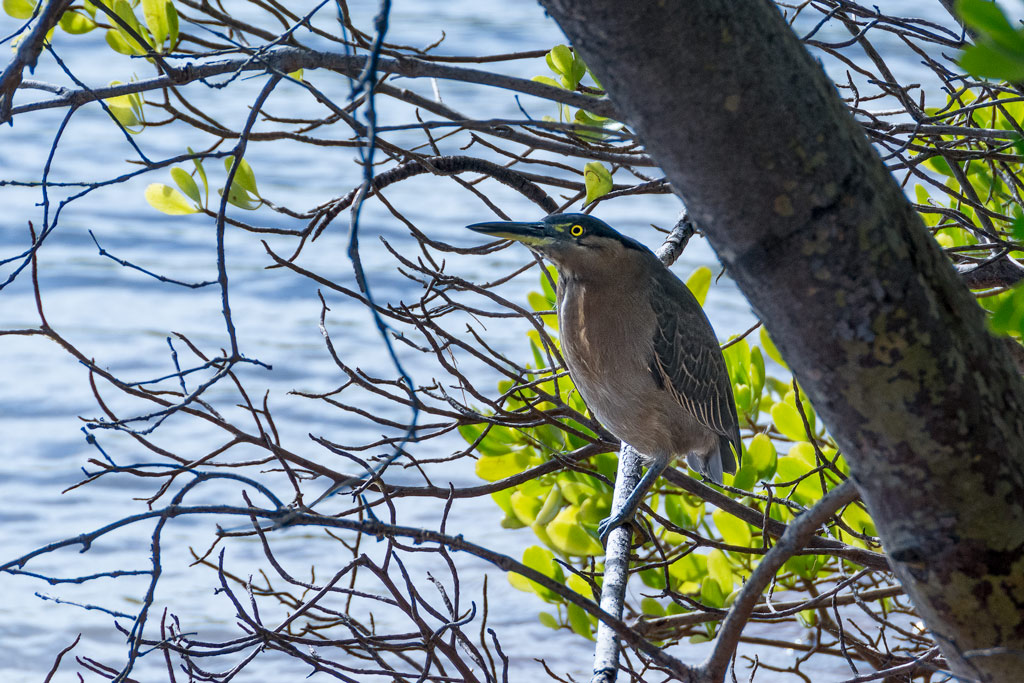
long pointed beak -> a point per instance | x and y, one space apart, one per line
528 233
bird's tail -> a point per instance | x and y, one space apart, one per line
713 464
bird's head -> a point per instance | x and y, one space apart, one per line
575 242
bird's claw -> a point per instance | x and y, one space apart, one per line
608 524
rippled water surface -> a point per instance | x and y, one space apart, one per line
123 319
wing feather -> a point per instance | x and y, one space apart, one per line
688 361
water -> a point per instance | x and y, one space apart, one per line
123 319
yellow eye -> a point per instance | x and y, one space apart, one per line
576 230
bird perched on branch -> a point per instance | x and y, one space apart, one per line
638 347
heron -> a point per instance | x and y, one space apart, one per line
638 347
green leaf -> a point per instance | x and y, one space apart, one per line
241 199
787 420
560 60
597 179
769 347
689 569
202 173
125 12
711 593
743 396
808 617
550 508
761 455
579 68
244 177
172 26
653 578
569 536
186 184
681 513
548 81
734 530
166 199
540 560
746 477
651 607
595 508
118 43
1008 314
155 13
584 119
988 60
127 109
987 18
497 467
538 301
76 23
19 9
580 585
520 582
699 283
579 622
804 566
545 285
525 507
805 451
756 371
859 520
543 560
720 571
548 620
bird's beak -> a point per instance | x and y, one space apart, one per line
531 234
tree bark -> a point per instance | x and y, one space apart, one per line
886 341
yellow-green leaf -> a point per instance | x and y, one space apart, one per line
560 59
699 283
734 530
548 81
859 520
787 420
525 507
579 622
720 571
711 593
569 537
761 453
580 585
125 109
597 179
76 23
495 467
805 451
552 504
540 560
155 12
118 43
547 619
186 184
19 9
244 177
522 583
769 347
166 199
172 25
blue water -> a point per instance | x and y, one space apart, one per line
123 318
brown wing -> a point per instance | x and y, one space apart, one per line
688 362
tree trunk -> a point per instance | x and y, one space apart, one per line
888 343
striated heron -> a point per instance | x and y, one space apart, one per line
638 347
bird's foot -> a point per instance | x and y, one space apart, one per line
608 524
